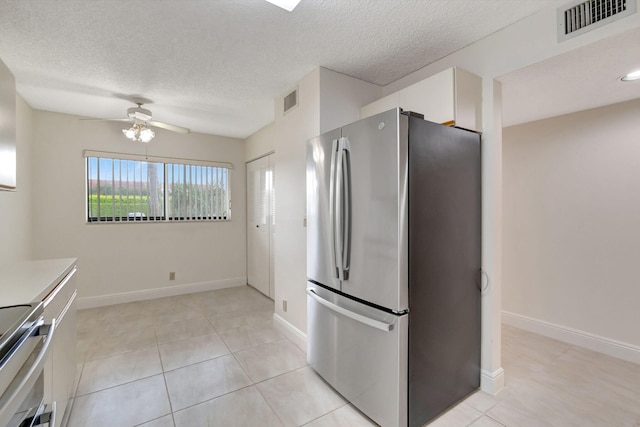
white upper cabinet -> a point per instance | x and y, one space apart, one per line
452 97
7 129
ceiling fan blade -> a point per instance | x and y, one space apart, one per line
167 126
108 120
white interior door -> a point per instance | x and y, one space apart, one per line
260 198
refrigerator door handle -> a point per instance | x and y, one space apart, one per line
338 231
345 155
383 326
333 207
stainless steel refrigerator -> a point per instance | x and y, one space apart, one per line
393 265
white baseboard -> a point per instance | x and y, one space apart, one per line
124 297
298 337
492 382
608 346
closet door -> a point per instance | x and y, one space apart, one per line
260 196
272 225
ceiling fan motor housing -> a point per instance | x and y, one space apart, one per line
139 113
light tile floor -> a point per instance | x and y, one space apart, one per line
216 359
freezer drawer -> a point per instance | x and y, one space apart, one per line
361 352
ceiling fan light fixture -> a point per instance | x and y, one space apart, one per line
139 132
146 134
130 133
287 5
634 75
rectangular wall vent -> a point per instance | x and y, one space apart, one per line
579 18
291 100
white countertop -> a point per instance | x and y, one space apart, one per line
29 281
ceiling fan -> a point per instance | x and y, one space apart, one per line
141 120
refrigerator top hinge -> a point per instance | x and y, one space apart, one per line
400 313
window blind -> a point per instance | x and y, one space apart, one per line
133 188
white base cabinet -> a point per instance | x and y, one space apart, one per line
60 369
452 97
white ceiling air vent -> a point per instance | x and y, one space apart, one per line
291 101
580 17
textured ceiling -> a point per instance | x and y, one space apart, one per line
216 66
583 78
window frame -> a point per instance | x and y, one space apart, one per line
165 162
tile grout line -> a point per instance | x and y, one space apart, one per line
242 367
115 385
196 363
155 419
498 421
164 378
118 385
272 342
346 402
214 398
323 415
75 394
149 347
254 384
267 402
187 338
282 374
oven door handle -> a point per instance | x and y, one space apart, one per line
14 398
48 418
31 332
38 417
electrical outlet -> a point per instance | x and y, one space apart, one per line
284 305
172 275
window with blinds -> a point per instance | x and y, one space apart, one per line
197 192
155 189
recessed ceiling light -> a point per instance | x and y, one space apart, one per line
634 75
287 5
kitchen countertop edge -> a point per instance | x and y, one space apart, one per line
30 281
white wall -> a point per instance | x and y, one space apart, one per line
571 221
15 206
130 259
327 100
287 136
341 97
